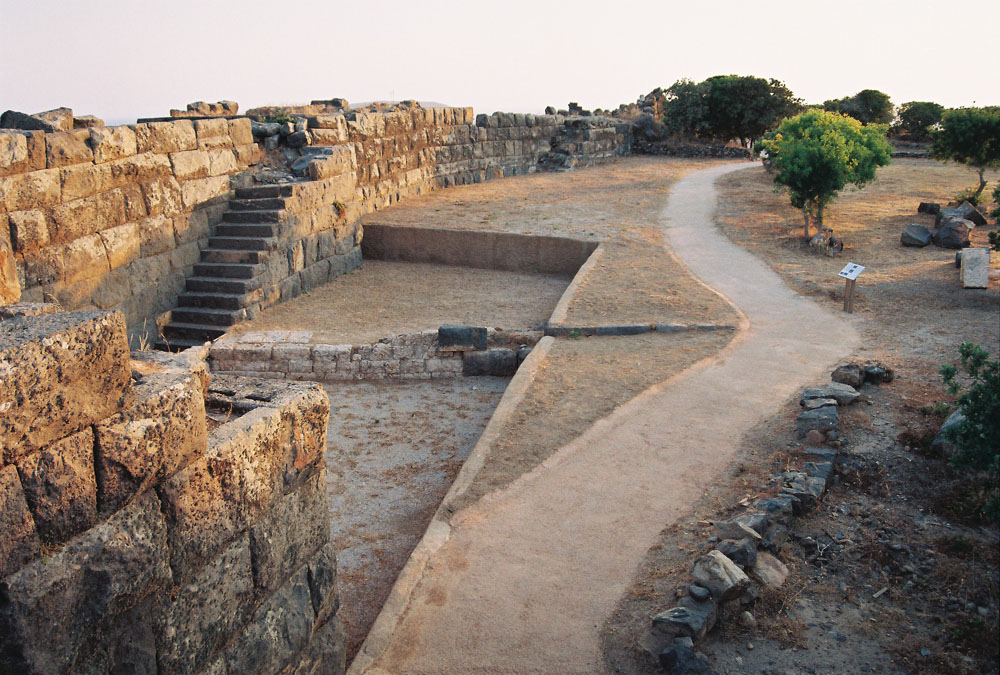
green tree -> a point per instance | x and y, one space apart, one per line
868 106
726 107
817 153
745 107
917 117
970 136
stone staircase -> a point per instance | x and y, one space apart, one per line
226 287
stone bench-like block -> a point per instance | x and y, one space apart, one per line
58 374
975 270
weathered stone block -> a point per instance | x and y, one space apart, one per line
80 217
52 607
199 191
110 143
189 164
325 653
121 244
163 137
322 577
30 190
19 543
240 132
59 373
60 487
84 258
125 643
13 149
68 147
207 611
164 431
221 162
278 630
210 128
462 338
975 271
163 196
290 533
10 285
720 575
156 235
28 229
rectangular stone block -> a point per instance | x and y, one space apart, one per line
13 149
19 543
59 373
67 147
110 143
85 180
83 258
211 127
278 630
240 131
164 431
81 217
30 190
325 653
975 271
60 487
208 611
163 196
189 164
164 137
121 244
202 190
291 532
156 235
52 607
221 162
28 229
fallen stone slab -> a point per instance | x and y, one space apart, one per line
732 529
769 571
822 420
720 575
843 393
691 618
915 235
743 552
975 271
815 403
461 338
500 362
852 374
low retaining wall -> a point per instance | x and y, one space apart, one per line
470 248
416 356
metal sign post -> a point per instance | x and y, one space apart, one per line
851 274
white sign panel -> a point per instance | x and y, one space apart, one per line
852 271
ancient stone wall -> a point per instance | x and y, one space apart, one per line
156 520
116 216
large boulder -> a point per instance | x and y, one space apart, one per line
969 212
931 208
915 235
853 375
953 233
720 575
941 444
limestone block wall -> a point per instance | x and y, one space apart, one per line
289 355
115 217
156 520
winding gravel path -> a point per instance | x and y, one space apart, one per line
521 581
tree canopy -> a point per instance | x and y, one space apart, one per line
970 136
868 106
726 107
917 117
817 153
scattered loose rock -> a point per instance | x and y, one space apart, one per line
769 571
915 235
720 575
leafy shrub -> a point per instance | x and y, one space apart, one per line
971 195
278 118
996 212
977 438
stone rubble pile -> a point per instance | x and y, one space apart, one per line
725 581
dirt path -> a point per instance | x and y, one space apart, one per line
525 577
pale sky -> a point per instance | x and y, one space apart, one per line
122 59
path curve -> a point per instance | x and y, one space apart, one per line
522 581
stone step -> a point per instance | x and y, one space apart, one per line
244 243
207 316
178 344
257 216
228 270
233 255
264 191
192 331
217 285
263 204
244 230
216 300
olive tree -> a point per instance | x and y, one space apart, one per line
817 153
916 118
868 106
970 136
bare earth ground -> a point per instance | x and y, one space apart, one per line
393 451
899 519
636 280
390 298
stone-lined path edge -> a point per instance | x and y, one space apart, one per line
521 581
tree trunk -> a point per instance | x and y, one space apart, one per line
982 183
819 217
805 218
